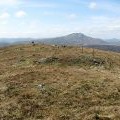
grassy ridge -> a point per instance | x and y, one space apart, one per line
44 82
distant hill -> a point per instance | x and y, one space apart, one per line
14 41
74 39
113 41
3 44
113 48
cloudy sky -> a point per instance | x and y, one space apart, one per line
50 18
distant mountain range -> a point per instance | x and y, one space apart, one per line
71 39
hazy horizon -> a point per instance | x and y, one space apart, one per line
48 19
17 37
23 39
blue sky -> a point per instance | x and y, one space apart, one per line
51 18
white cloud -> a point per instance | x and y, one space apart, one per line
40 5
20 14
8 2
93 5
72 16
4 15
104 27
3 23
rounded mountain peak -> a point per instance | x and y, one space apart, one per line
76 35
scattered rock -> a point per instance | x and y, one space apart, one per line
47 60
3 88
98 61
41 86
100 117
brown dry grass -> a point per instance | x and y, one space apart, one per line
74 87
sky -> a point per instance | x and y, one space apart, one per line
51 18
